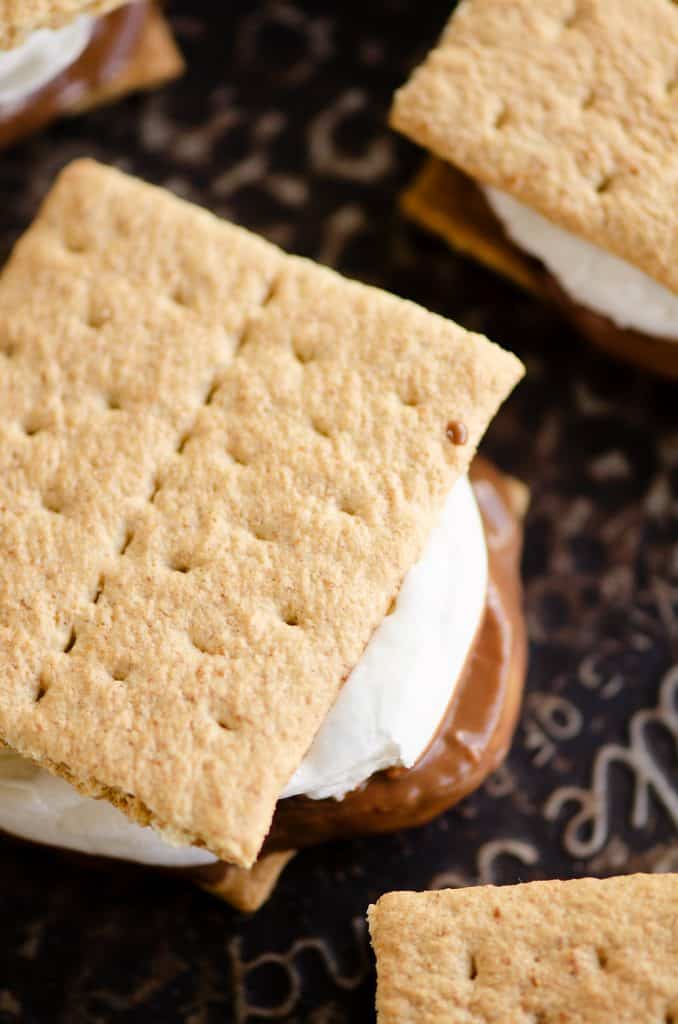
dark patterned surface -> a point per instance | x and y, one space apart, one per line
280 125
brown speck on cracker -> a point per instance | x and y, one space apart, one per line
456 432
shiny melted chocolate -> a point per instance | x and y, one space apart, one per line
113 42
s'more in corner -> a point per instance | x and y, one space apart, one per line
587 951
256 591
64 56
553 129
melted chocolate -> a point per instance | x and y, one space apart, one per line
113 41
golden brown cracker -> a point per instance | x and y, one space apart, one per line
246 889
580 952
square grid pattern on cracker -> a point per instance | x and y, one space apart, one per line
18 18
569 105
579 952
217 462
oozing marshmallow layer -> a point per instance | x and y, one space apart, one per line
385 716
592 277
43 56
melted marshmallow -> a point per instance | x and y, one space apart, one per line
39 59
592 277
386 714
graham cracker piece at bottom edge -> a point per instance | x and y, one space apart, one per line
245 889
445 201
583 951
156 60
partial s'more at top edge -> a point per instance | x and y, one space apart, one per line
61 57
218 462
554 128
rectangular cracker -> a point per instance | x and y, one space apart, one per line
570 106
18 18
217 462
580 952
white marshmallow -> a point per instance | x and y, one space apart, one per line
386 714
39 59
592 277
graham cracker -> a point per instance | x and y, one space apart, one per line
580 952
569 106
246 889
18 18
217 464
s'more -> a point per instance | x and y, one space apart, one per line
61 57
553 129
587 951
256 590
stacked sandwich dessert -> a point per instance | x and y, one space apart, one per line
63 56
256 589
553 126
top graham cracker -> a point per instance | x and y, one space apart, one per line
18 18
571 106
217 462
580 952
